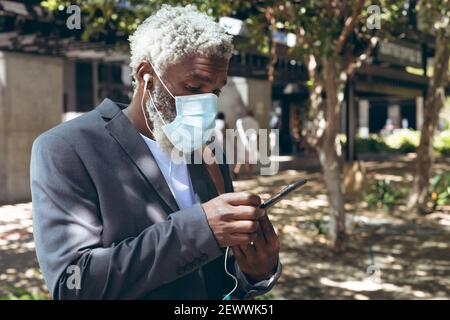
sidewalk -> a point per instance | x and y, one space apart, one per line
394 255
18 263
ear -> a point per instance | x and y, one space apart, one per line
144 68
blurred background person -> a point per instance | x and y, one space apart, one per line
247 144
388 128
219 130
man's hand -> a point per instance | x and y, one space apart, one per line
259 261
233 218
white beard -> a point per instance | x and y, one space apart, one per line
166 107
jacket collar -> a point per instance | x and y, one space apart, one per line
126 135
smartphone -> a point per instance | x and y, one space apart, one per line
280 195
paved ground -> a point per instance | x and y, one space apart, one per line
392 255
389 256
19 271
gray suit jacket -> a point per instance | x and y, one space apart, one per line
106 225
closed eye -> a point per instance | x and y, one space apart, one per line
193 89
197 90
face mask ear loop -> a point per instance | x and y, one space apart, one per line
154 69
143 109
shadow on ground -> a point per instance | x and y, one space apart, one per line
389 255
19 271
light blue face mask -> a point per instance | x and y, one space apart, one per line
194 123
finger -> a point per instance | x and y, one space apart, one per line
242 226
238 253
242 238
242 198
260 242
267 229
249 250
243 212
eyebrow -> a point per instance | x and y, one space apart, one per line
200 77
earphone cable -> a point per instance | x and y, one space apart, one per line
235 279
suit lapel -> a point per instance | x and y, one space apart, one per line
201 181
129 139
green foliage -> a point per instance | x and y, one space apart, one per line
440 190
16 293
267 296
317 224
116 20
433 16
441 142
373 144
383 195
444 123
320 22
404 140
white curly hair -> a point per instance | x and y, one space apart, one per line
173 33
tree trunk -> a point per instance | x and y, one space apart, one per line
433 104
330 161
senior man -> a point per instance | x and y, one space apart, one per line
117 217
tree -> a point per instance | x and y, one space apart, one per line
434 16
334 39
111 21
323 32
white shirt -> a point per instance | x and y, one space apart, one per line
175 173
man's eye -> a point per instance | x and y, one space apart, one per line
193 89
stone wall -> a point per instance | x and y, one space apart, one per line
31 102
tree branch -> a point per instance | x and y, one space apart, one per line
356 62
348 27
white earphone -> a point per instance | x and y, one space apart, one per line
146 79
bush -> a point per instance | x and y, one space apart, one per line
383 195
403 140
373 144
441 142
440 190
